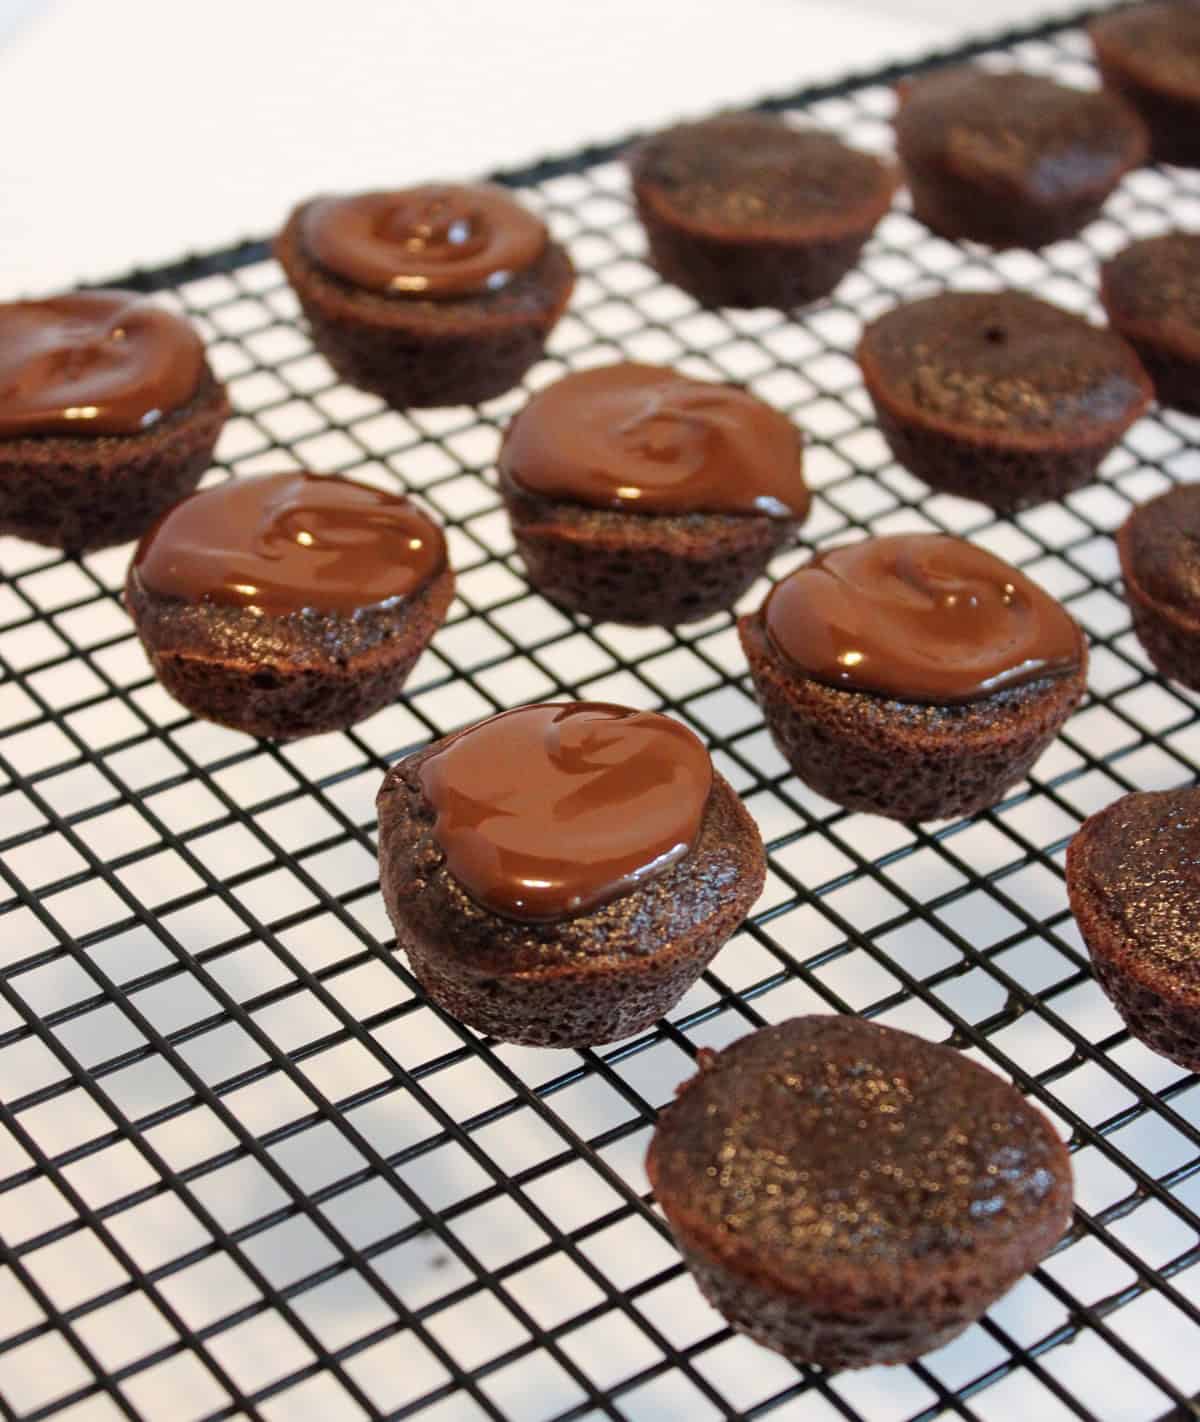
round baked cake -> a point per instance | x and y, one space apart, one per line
441 294
848 1194
1011 159
639 495
1159 548
915 676
288 604
560 875
747 210
108 414
1133 875
1150 55
998 396
1151 292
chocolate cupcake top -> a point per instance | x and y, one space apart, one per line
1152 288
649 440
1160 547
93 363
1002 363
290 543
830 1140
1158 44
1018 132
920 617
434 242
755 175
549 811
1139 861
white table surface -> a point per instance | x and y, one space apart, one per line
137 130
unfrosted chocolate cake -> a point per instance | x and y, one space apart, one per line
1151 292
1159 547
1150 55
848 1194
746 210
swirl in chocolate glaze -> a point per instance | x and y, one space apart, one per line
93 363
648 440
437 241
284 543
548 811
920 617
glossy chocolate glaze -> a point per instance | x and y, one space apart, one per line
645 439
284 543
548 811
93 363
435 241
920 617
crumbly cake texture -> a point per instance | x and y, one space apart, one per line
415 352
744 210
1133 876
1150 55
849 1194
82 492
640 569
594 978
286 676
1159 548
1011 160
902 759
998 396
1151 292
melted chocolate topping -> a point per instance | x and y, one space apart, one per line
920 617
648 440
433 241
549 811
287 543
93 363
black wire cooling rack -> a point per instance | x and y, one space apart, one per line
247 1171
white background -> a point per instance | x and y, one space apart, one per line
137 130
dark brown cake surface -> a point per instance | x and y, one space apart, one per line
1156 283
1161 542
751 173
1003 364
1019 132
880 1188
1158 44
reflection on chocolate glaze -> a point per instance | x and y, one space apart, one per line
920 617
438 240
649 440
93 363
286 543
548 811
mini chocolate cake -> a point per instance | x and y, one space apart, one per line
849 1194
745 210
1159 546
1012 160
560 875
637 495
1133 874
915 676
999 397
288 604
435 295
1151 292
108 415
1150 55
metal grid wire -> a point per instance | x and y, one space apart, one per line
247 1171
